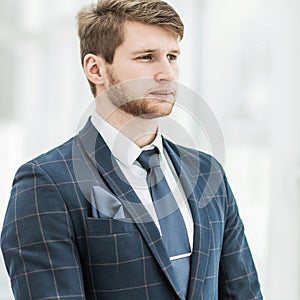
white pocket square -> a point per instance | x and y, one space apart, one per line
105 204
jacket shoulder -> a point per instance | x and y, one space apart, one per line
63 151
203 161
51 163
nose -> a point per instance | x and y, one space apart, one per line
166 71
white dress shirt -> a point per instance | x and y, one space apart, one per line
126 152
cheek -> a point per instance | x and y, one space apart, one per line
128 70
131 71
176 71
138 72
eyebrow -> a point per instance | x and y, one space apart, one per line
176 51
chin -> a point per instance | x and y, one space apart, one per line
146 109
160 110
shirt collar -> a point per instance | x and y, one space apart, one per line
122 148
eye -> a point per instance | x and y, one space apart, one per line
145 57
172 57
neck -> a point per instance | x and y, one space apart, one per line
141 131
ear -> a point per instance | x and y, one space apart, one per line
94 68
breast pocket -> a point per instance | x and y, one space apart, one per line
112 241
107 226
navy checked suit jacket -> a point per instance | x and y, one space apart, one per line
55 249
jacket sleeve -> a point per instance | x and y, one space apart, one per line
38 241
238 277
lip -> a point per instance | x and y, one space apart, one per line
162 93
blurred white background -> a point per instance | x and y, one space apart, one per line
242 56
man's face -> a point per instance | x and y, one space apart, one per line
142 78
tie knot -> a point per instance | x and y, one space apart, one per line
149 159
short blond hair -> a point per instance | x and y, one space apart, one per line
101 25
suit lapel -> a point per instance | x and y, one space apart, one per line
187 166
110 172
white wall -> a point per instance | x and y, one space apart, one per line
284 234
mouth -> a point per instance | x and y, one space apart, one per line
163 94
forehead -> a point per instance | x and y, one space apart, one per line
138 35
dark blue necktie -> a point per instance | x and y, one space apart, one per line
173 229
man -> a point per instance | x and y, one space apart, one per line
118 211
